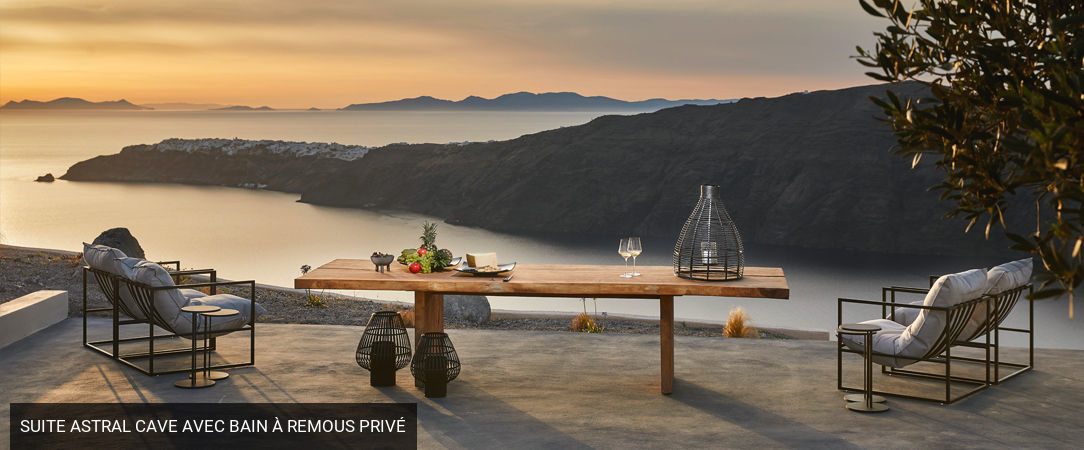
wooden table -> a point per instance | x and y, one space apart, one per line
546 280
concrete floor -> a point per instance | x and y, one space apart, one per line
569 390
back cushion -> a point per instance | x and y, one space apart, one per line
1010 275
114 261
104 258
947 291
168 302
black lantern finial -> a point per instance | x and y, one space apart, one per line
384 347
709 247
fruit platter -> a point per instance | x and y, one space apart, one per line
428 257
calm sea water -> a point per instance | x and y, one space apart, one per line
267 236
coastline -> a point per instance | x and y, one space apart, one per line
29 269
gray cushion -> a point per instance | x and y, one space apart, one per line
1010 275
169 302
905 343
112 260
104 258
228 301
906 316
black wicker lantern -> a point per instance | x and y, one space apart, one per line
384 348
435 364
709 246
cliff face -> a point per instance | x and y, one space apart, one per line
811 170
275 165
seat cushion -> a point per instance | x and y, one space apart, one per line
904 315
191 294
227 301
884 342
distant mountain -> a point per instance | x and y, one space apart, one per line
70 103
243 108
181 106
551 101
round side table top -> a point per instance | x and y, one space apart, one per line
225 312
201 309
859 328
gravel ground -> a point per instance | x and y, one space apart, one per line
24 270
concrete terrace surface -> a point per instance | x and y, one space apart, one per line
528 389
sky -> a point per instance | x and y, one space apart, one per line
323 53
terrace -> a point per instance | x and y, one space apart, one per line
557 389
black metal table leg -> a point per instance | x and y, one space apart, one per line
866 401
207 372
196 379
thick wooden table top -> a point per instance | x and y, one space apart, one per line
545 280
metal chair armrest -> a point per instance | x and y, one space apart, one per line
251 283
176 264
192 272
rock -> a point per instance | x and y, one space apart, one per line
471 308
47 178
120 238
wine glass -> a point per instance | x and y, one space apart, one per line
623 250
634 249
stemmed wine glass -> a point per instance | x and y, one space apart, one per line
623 250
634 249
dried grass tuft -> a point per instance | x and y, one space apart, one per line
736 326
582 323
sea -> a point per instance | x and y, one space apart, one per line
268 236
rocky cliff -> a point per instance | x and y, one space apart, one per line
274 165
811 170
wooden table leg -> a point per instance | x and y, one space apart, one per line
666 341
428 314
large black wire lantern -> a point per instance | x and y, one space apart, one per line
435 364
384 347
709 246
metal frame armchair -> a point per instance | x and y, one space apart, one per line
1000 307
939 351
114 287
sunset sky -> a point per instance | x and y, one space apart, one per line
323 53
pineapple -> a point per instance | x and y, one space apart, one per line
429 236
441 257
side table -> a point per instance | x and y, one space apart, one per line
196 380
866 401
207 372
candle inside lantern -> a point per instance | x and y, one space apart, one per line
709 253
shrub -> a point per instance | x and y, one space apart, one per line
736 326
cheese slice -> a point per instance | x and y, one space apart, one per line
481 259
